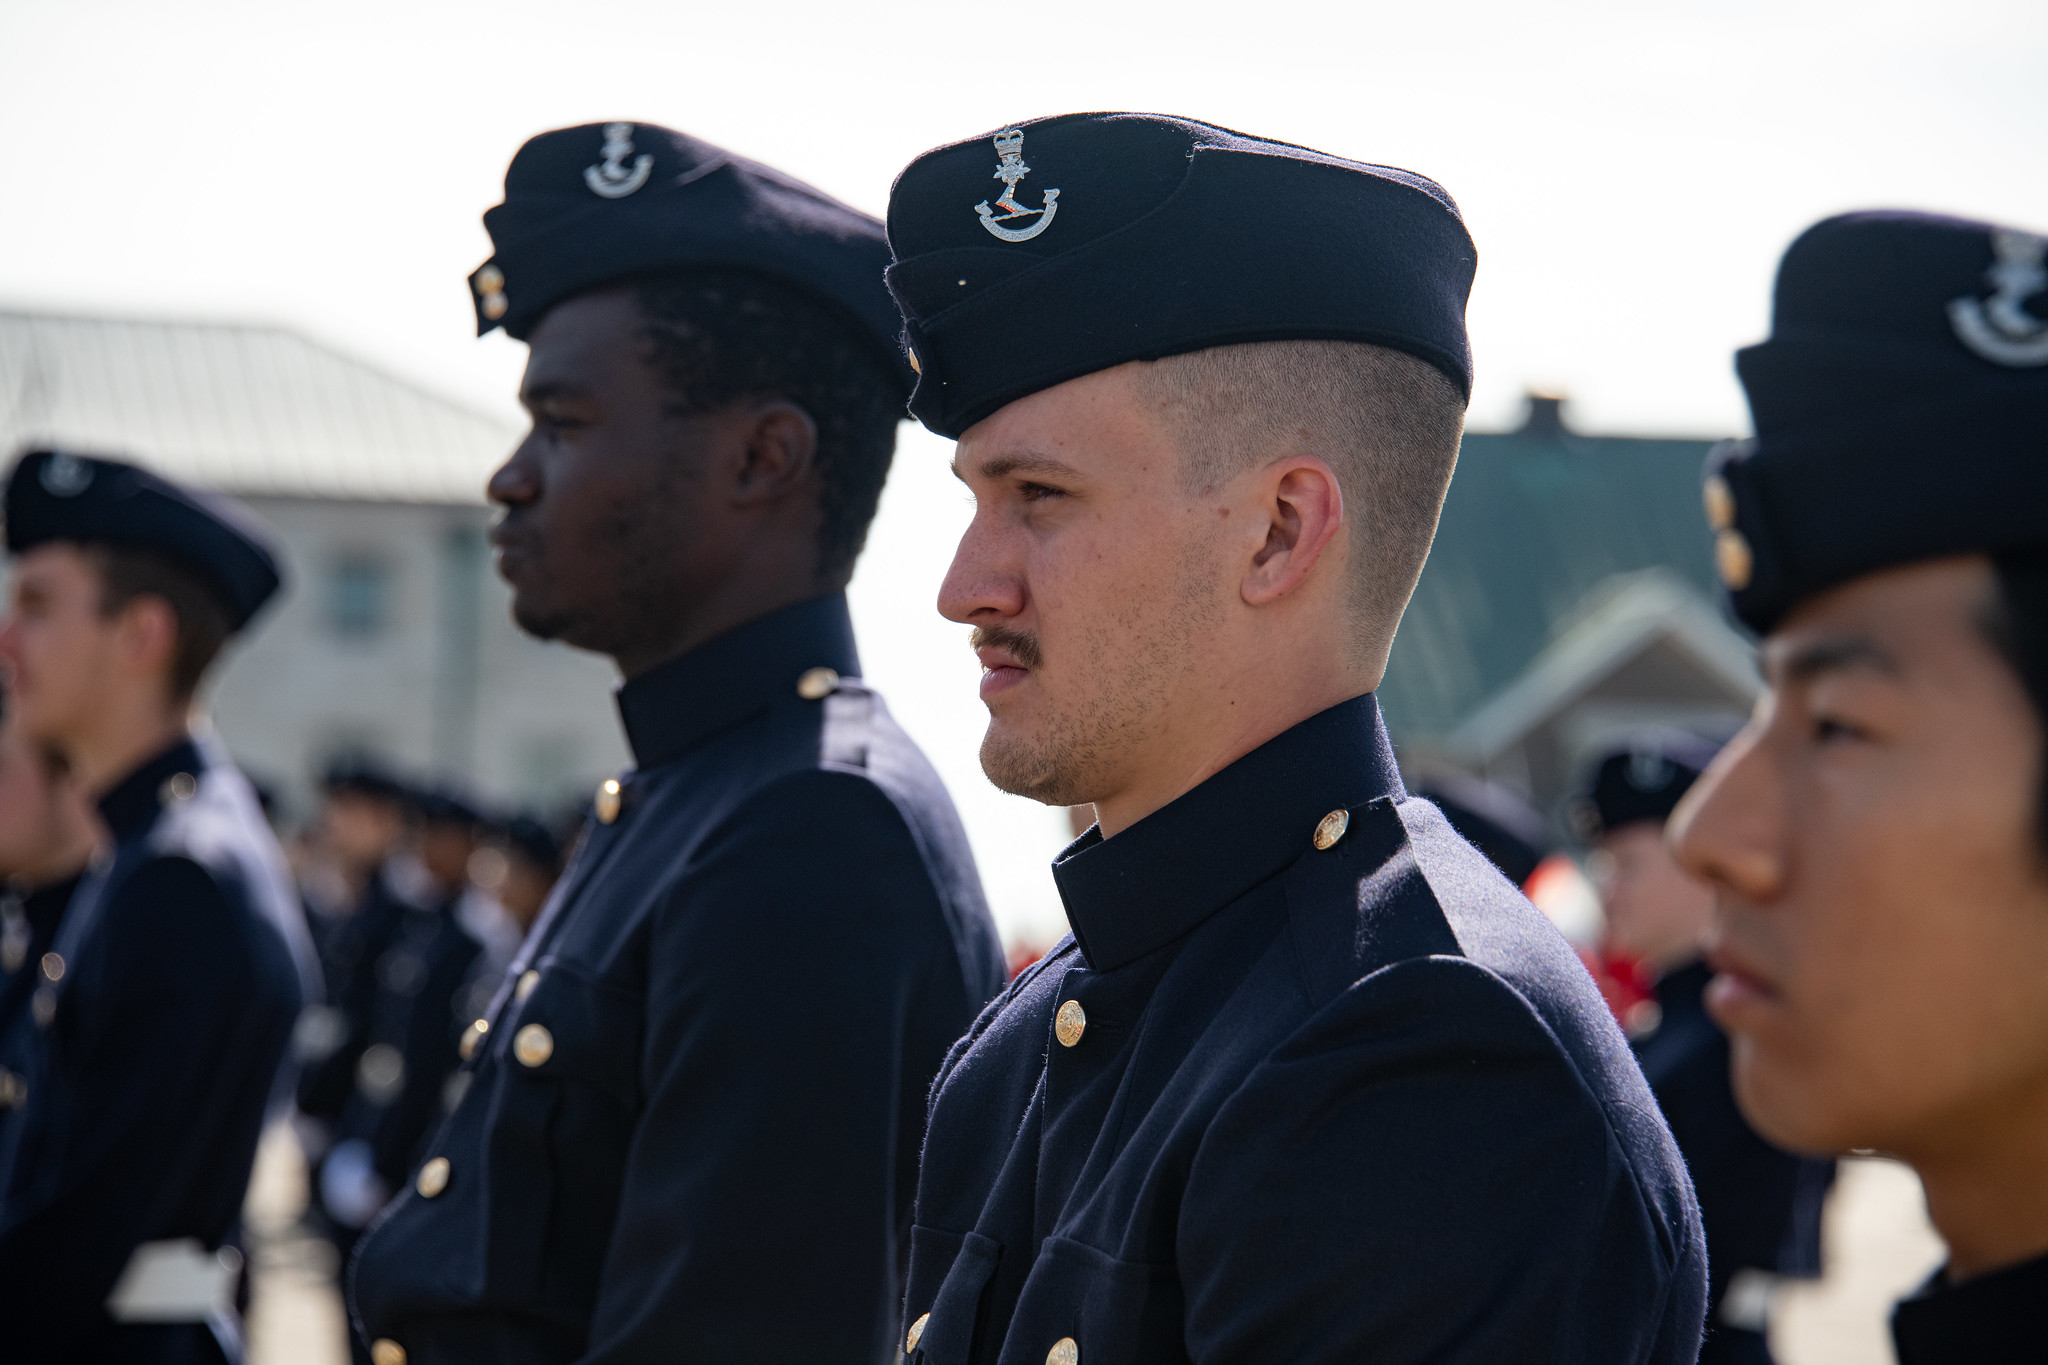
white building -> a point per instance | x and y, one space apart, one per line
392 638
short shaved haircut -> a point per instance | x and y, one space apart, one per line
1386 423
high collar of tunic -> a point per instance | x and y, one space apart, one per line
1139 891
675 706
133 803
1992 1318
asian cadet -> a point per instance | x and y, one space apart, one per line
692 1116
165 1001
1310 1081
1877 837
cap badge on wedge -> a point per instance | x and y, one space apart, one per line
1998 328
1010 169
609 179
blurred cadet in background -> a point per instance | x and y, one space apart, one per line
1493 820
1761 1205
1310 1081
417 992
533 863
693 1111
166 1001
1877 836
47 834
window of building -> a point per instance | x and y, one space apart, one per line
358 597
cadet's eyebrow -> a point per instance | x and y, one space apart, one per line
1020 462
550 389
1804 662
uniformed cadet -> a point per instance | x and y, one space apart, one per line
47 834
1761 1205
694 1109
1310 1081
1877 837
533 864
166 1001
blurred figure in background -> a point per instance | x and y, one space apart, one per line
533 863
47 834
1761 1205
1877 836
167 999
416 998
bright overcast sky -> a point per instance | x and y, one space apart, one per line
1630 173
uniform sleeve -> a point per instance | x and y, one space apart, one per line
802 991
168 1077
1422 1176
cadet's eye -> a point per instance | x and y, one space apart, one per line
1835 730
1038 492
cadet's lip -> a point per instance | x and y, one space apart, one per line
1739 987
1000 671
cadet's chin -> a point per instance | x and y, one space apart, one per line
1787 1107
1040 771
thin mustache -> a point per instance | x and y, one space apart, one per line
1021 644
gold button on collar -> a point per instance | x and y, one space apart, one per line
490 280
611 798
1065 1351
916 1333
915 368
1733 560
533 1045
817 683
1070 1023
1720 503
53 967
177 787
385 1351
433 1178
472 1036
528 979
1331 828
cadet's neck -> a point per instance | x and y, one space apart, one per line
1987 1186
123 737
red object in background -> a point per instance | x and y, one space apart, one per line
1623 985
1022 955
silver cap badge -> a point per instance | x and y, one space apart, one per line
65 475
610 179
1997 328
1010 168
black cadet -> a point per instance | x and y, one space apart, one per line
1901 413
165 1002
1761 1206
1310 1081
694 1108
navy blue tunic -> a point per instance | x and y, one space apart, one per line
1280 1103
150 1063
692 1127
2000 1318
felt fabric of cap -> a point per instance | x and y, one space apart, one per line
1118 237
58 495
1642 781
1900 405
589 205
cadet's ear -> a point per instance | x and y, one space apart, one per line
147 636
779 445
1304 509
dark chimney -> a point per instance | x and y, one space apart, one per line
1546 416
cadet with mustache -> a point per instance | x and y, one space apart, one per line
1310 1081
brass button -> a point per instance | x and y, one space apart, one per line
533 1045
1070 1023
1733 560
433 1178
1331 828
528 979
1720 503
177 787
611 797
14 1094
916 1332
43 1006
53 967
472 1036
915 368
817 683
1065 1351
385 1351
495 306
490 280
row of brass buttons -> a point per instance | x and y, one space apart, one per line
1065 1351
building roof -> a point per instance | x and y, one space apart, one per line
1535 520
247 409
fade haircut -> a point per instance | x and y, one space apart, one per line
127 573
2016 620
720 336
1386 423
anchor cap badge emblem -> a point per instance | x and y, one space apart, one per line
611 178
1010 169
1999 328
65 475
